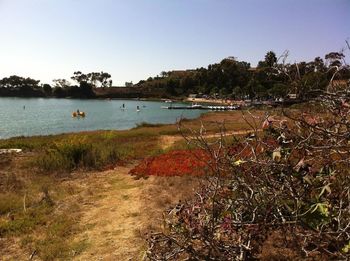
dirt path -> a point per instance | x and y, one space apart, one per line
117 210
167 141
111 216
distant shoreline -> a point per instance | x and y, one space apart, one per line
181 99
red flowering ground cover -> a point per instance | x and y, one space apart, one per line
174 163
194 162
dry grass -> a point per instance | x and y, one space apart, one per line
165 192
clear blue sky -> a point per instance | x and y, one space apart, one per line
135 39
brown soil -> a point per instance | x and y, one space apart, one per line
166 141
119 210
111 216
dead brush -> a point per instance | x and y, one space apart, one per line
291 182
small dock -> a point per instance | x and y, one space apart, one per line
184 108
201 107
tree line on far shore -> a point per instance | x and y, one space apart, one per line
272 78
28 87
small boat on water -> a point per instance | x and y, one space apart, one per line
78 114
196 106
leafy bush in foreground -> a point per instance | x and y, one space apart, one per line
291 184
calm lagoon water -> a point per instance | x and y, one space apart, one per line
42 116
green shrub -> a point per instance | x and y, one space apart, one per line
56 244
9 202
147 124
23 222
73 154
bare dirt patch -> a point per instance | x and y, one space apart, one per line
167 141
119 210
112 216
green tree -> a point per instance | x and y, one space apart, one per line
47 88
105 79
237 92
334 58
15 81
319 65
129 84
86 90
62 83
58 92
279 90
270 59
95 79
164 74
